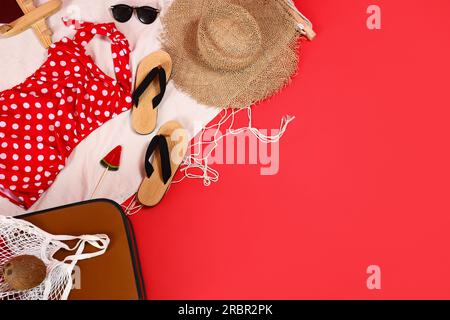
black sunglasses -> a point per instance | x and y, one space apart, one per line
123 13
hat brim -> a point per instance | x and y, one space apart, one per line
270 72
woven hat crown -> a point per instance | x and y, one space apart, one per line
228 37
231 53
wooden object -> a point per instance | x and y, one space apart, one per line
34 18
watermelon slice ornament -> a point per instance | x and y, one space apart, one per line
111 162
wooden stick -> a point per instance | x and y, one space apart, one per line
99 182
40 28
5 28
36 16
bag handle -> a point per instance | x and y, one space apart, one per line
99 241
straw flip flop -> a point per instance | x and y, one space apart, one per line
152 75
168 148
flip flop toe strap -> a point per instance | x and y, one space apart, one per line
161 142
158 71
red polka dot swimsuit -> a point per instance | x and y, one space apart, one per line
43 119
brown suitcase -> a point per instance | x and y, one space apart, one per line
116 275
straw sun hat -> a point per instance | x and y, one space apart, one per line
231 53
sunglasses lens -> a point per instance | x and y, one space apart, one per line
147 15
122 13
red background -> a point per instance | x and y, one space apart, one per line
364 175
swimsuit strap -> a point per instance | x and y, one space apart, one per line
120 48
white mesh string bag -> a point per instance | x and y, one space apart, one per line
19 237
